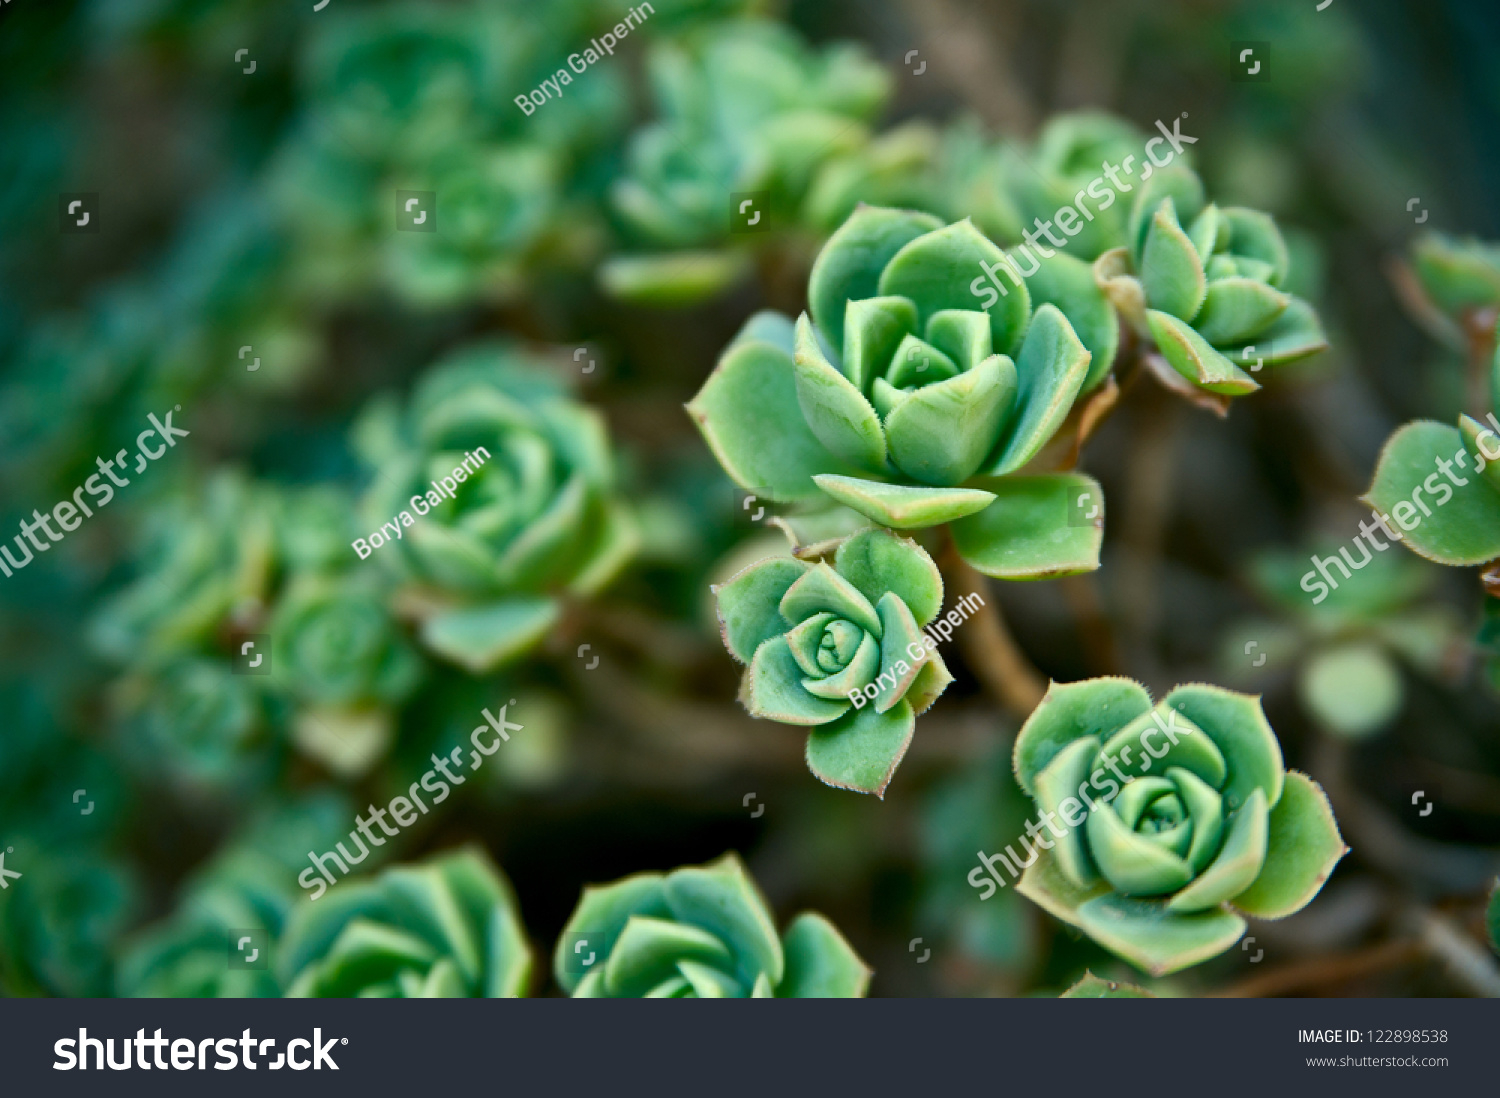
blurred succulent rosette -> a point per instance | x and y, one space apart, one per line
220 939
700 932
1203 826
916 392
445 928
748 111
495 491
839 648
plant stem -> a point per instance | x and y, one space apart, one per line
989 649
1317 971
1479 338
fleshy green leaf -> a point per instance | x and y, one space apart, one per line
861 750
749 415
873 328
1130 862
849 266
834 409
1238 864
647 951
1036 527
1465 529
1074 711
672 280
1061 779
1302 847
1192 357
482 638
1353 689
904 507
877 562
1170 269
937 270
961 334
750 604
1176 181
721 898
821 588
941 433
1152 938
820 964
1068 282
896 646
1254 234
1235 310
1092 987
1237 725
773 689
1049 373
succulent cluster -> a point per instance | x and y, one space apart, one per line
1163 863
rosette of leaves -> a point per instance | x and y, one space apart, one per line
58 932
700 932
744 106
342 656
813 633
905 398
535 522
1204 284
1349 646
1205 825
445 928
195 719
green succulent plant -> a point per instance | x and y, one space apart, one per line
1457 520
492 542
1458 276
448 928
839 649
904 399
700 932
1163 864
1349 645
1204 284
344 660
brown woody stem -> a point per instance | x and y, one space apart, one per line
989 649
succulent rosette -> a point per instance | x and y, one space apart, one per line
442 929
700 932
1204 283
1204 825
910 398
839 649
342 656
502 489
